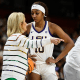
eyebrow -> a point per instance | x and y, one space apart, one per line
36 10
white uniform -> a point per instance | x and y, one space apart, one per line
15 62
43 52
72 66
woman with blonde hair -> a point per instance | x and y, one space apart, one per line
15 63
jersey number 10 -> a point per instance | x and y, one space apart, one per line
39 50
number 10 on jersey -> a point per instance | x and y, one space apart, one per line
41 49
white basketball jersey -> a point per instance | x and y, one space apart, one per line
15 57
45 51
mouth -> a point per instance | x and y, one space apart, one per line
35 19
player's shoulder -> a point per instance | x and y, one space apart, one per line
52 25
29 24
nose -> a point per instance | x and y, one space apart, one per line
34 15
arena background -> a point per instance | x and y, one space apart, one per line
65 13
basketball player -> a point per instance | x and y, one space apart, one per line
41 29
16 48
72 65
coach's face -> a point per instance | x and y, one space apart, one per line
24 25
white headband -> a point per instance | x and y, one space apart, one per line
39 7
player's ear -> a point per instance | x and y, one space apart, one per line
43 14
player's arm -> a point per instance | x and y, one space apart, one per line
55 29
32 57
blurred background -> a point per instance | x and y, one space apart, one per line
65 13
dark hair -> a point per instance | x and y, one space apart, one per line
44 5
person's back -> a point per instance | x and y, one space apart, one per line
15 57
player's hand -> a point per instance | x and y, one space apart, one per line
50 60
34 64
32 57
56 41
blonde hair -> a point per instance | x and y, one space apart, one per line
14 23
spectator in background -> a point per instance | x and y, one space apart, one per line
3 35
75 35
